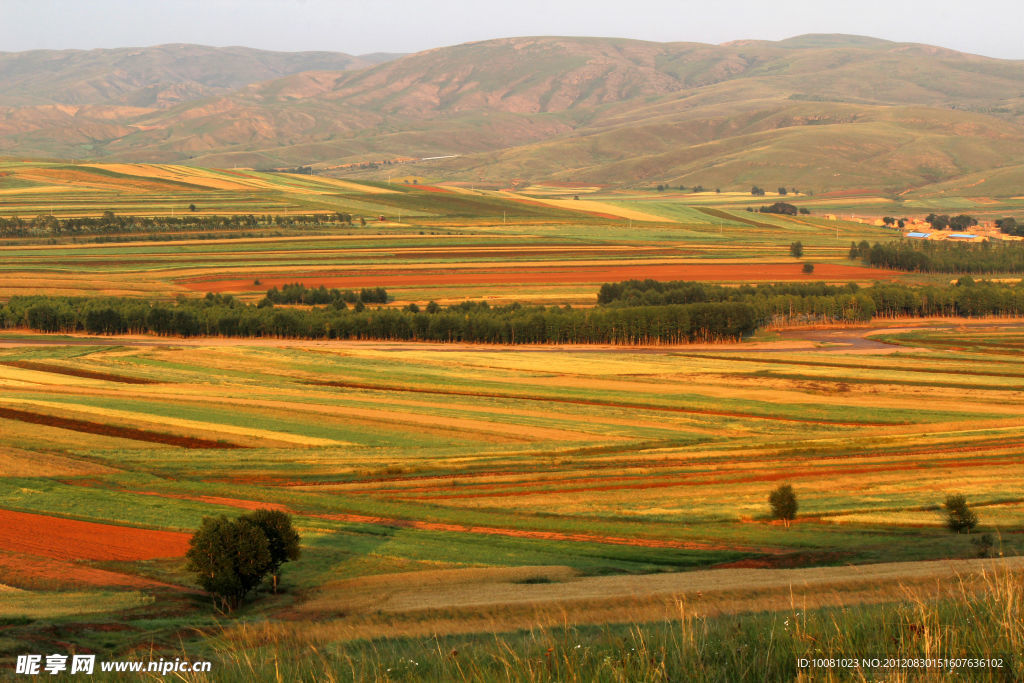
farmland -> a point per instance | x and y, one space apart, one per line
458 488
414 457
448 245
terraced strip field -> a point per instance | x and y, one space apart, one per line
402 456
423 242
412 267
458 489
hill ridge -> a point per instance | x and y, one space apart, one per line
827 111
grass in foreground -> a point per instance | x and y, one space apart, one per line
981 620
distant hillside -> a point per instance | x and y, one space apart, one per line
819 112
152 76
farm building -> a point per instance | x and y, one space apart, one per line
962 236
919 235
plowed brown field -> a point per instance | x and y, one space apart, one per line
69 539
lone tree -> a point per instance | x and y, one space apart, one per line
796 249
282 539
783 503
231 557
959 517
808 268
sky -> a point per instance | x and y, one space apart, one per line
987 27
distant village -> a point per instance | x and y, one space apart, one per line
921 229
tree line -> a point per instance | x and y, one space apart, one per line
1010 226
111 224
946 222
800 302
223 315
298 293
930 256
632 312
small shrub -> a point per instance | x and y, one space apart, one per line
983 545
959 517
808 268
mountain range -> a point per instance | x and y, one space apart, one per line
824 113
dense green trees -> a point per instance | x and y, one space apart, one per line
1010 226
779 208
818 302
957 223
297 293
779 303
282 539
111 224
931 256
631 312
231 557
221 315
938 222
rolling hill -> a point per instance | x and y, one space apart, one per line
152 76
819 112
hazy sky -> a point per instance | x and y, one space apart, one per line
987 27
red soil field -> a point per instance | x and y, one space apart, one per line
111 430
69 539
554 274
